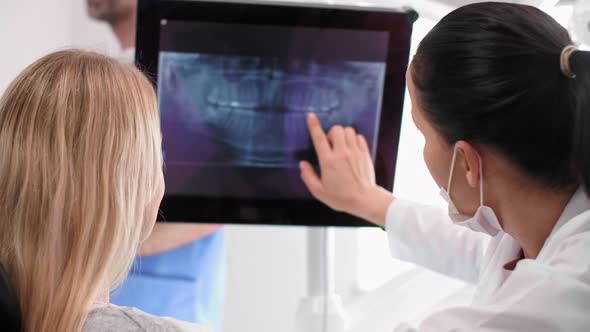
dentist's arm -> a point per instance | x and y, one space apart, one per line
420 234
348 177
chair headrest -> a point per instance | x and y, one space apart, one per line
10 315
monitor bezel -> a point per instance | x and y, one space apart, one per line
301 212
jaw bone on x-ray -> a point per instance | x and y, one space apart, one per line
250 111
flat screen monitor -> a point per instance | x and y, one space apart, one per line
234 83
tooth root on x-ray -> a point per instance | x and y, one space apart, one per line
332 100
253 88
234 99
213 96
238 94
319 101
314 97
247 94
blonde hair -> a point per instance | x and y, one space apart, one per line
80 154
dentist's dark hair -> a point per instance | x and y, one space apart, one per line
489 73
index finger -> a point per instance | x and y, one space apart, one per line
318 137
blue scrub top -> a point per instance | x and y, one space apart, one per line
185 283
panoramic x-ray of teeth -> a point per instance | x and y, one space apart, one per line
250 111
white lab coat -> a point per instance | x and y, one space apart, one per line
550 293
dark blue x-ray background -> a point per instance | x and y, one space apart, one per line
232 112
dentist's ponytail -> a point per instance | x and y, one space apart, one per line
580 67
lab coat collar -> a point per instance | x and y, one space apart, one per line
578 204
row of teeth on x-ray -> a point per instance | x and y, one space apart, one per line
296 95
270 66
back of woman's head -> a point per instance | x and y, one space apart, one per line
80 143
490 74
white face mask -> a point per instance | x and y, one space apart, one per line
484 220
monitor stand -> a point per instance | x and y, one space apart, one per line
321 310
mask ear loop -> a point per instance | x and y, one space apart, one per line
452 170
480 175
480 181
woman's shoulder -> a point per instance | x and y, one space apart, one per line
109 317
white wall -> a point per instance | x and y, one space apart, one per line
267 273
91 34
265 277
30 29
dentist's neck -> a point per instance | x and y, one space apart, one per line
528 211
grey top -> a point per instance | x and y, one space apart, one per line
111 318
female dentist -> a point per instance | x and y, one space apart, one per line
502 98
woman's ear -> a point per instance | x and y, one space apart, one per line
469 160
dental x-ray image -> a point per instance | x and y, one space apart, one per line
249 111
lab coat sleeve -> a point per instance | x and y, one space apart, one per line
534 298
425 235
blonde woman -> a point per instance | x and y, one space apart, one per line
81 181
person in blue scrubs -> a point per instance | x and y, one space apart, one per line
186 283
180 272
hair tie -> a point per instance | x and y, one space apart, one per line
565 60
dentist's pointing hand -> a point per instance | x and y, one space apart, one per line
347 182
